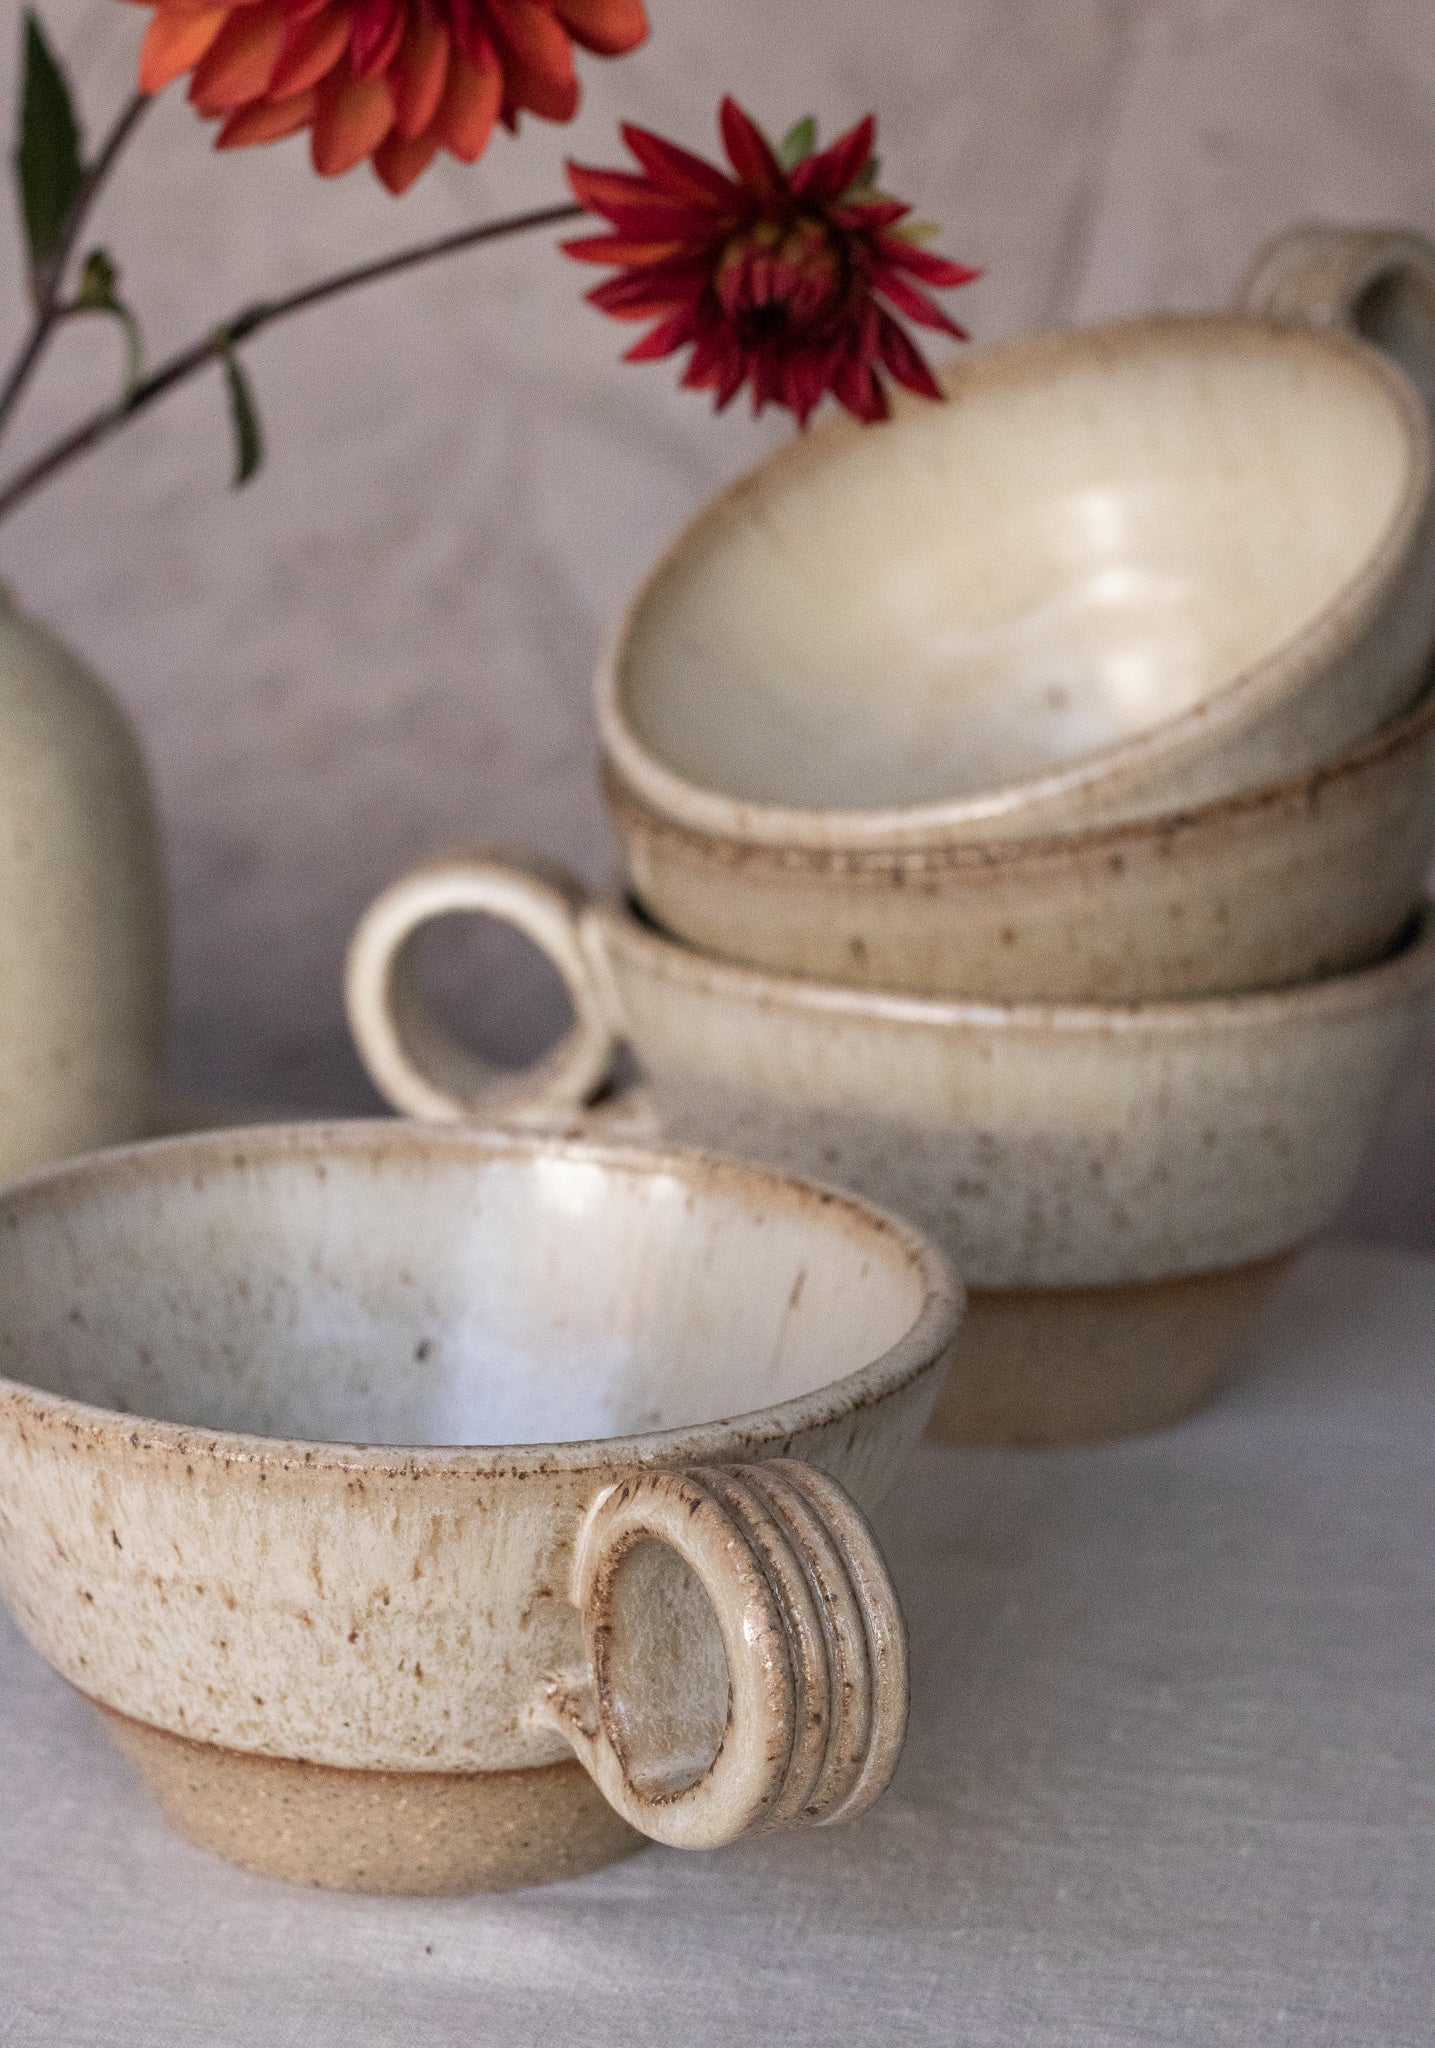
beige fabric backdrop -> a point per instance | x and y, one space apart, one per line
387 641
1169 1774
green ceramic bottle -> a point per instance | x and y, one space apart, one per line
83 967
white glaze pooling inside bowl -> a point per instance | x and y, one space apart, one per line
1081 545
368 1298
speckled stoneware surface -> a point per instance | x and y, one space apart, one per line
1127 569
242 1511
1045 1146
82 934
1302 879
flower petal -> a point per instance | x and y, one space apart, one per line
719 363
352 118
619 249
906 361
538 66
607 27
662 340
765 370
655 289
916 305
599 190
750 152
828 174
855 384
174 43
730 378
804 384
239 63
635 208
378 30
400 158
934 270
868 215
266 121
716 352
312 47
677 172
469 107
419 74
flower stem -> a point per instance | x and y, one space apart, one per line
214 346
50 282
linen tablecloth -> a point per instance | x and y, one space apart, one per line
1170 1780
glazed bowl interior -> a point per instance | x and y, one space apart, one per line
1093 537
363 1285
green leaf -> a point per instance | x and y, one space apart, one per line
47 160
799 142
243 412
99 292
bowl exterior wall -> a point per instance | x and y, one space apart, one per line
395 1616
1040 1148
1304 881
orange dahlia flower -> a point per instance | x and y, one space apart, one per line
787 275
395 80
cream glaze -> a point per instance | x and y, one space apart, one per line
401 1608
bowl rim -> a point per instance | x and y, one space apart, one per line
1404 972
1229 710
920 1350
696 847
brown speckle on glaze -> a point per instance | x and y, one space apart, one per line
297 1627
1309 876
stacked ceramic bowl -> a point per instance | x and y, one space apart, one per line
1026 809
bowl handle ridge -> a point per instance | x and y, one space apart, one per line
1377 282
812 1635
411 1056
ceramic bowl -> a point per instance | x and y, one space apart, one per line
1047 1147
1290 883
429 1510
1122 571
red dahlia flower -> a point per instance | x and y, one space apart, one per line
395 80
785 276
